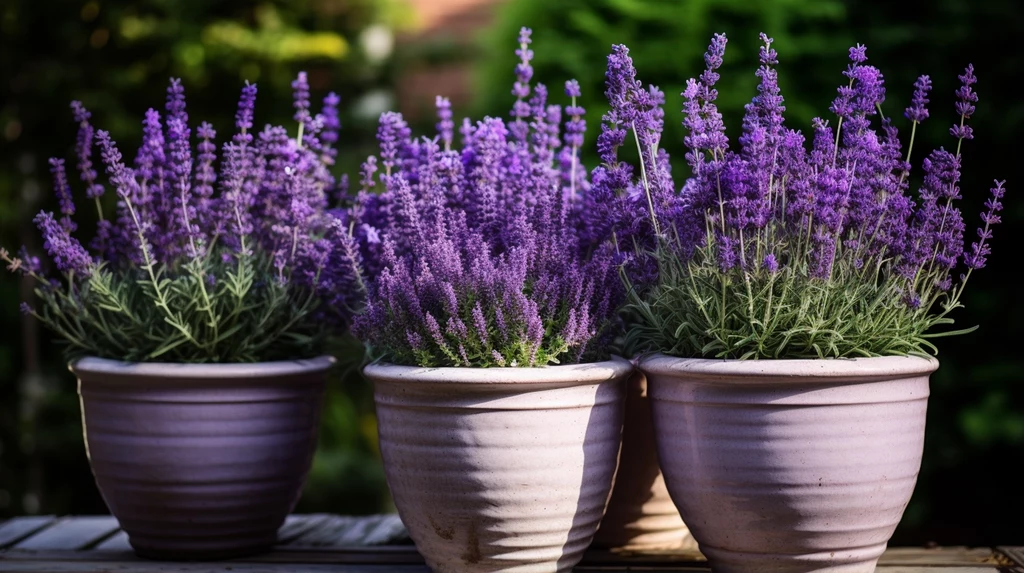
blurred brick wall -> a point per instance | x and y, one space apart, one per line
453 24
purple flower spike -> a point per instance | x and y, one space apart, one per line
445 125
246 108
980 250
300 91
965 105
68 254
83 148
918 110
63 191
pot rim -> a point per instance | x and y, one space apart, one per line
736 370
589 372
92 365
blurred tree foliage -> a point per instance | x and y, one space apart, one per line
966 493
117 56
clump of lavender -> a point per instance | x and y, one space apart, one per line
208 257
778 249
477 254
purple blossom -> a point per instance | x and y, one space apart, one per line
918 110
83 148
246 108
445 125
68 254
483 256
300 94
63 191
966 98
834 209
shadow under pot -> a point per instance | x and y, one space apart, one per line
201 461
500 469
641 515
790 466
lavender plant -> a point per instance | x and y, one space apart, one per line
777 249
205 259
478 254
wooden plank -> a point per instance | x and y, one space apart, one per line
14 530
219 567
70 533
390 530
1014 555
944 556
296 525
116 542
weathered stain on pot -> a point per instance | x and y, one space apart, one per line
201 461
518 461
812 461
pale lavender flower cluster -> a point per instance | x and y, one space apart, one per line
477 256
841 205
263 195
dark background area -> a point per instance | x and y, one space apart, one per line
116 57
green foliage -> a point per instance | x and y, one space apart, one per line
698 310
207 311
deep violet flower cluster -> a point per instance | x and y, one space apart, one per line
214 253
774 248
477 254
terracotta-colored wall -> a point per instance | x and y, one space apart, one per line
454 21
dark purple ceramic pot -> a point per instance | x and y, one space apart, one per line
201 461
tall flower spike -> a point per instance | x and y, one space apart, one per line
980 250
246 109
300 91
83 148
521 88
445 125
918 110
68 254
966 98
63 191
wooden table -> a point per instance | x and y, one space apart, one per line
377 544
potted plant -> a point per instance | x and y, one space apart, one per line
196 326
790 307
499 410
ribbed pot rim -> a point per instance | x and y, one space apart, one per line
558 374
92 365
725 370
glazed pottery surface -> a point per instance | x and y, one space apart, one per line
500 469
200 461
790 466
641 515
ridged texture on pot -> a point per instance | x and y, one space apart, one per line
641 515
790 466
500 469
201 461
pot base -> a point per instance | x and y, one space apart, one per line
857 560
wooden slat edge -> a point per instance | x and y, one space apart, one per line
20 528
1014 554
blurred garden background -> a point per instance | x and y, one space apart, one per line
116 56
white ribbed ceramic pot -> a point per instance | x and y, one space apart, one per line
790 466
500 469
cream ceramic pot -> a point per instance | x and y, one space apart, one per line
787 466
500 469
